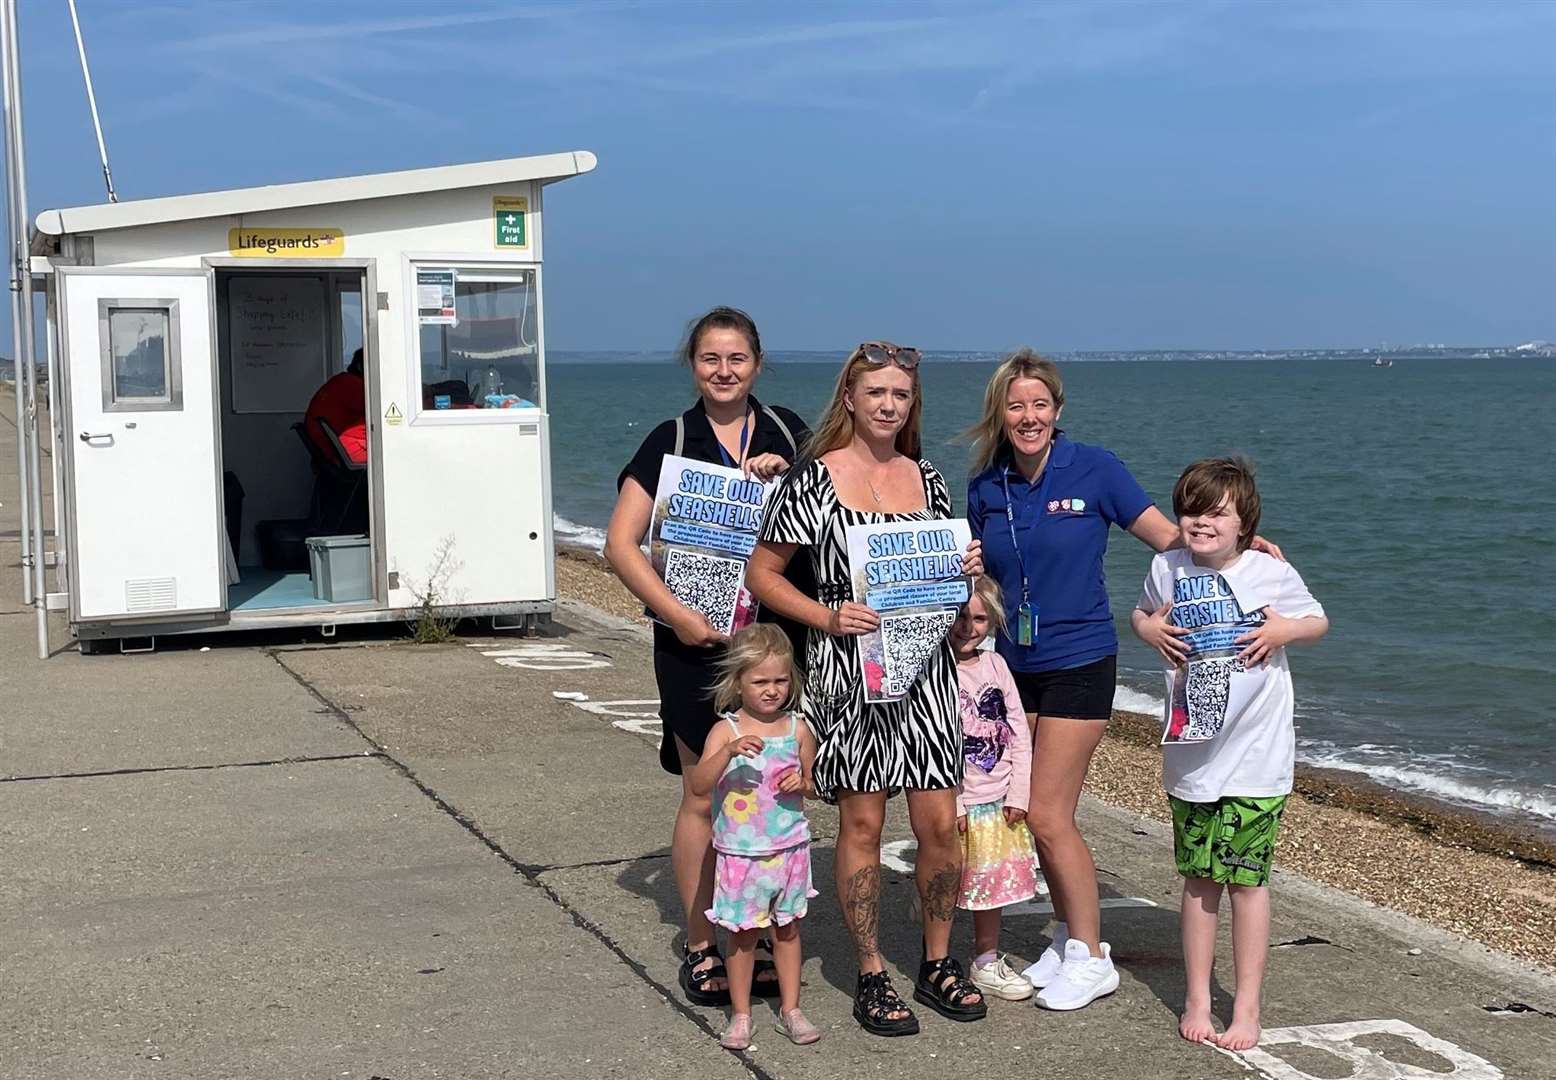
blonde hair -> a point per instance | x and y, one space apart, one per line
988 436
989 593
748 648
836 429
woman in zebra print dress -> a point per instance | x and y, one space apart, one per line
862 466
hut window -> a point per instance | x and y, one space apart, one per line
140 358
488 355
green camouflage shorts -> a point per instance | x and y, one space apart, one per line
1231 840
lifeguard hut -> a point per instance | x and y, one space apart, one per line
187 336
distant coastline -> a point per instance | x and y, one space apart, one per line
1404 353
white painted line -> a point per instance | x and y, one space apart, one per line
571 654
1364 1063
640 727
552 663
897 855
636 708
1032 907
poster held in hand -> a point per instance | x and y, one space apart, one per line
910 573
705 525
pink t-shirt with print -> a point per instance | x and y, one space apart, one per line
996 746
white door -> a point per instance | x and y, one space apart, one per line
145 475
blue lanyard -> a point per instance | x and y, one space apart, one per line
745 429
1010 521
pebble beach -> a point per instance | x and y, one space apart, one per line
1484 878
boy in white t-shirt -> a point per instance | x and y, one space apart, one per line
1221 616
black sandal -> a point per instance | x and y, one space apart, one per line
942 986
768 987
692 980
874 1002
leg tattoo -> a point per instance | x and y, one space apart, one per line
862 910
940 893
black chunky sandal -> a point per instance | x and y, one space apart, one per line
874 1002
693 981
764 977
942 986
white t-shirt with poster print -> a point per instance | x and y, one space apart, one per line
1229 729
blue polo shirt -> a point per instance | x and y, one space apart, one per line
1063 533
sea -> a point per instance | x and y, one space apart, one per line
1418 501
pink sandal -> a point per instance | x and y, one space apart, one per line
737 1033
801 1032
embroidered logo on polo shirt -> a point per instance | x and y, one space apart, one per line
1071 506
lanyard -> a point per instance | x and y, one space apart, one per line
745 430
1010 521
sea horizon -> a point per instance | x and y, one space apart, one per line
1433 681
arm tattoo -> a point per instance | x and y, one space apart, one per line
862 909
940 892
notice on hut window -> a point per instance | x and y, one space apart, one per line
510 216
435 298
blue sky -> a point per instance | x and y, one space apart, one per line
1070 175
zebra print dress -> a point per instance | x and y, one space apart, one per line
914 743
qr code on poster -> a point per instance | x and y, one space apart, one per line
706 583
1206 687
910 642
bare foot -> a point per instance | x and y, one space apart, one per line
1194 1025
1242 1035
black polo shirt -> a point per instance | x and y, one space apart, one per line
701 444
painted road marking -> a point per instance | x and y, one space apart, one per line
896 855
640 715
542 656
1364 1063
636 709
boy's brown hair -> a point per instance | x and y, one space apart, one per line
1206 482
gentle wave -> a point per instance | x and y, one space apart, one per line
1133 701
570 532
1436 784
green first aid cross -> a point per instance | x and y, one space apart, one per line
509 216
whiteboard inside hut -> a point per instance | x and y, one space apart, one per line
279 342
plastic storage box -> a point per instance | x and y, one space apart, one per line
341 568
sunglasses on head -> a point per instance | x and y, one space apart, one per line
881 353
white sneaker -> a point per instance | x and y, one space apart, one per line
1000 980
1046 970
1083 978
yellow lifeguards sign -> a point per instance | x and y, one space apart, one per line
253 242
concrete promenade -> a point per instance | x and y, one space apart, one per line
280 858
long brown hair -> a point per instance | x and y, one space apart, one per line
836 429
989 440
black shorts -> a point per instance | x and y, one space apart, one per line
1077 693
685 676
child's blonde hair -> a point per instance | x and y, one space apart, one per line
748 648
988 591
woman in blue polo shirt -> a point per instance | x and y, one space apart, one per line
1042 505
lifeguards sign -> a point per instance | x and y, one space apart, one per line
262 243
510 219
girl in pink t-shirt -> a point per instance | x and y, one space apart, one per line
999 863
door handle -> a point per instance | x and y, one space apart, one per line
88 437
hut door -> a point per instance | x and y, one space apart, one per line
144 492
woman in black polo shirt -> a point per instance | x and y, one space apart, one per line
727 426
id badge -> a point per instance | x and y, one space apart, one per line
1026 625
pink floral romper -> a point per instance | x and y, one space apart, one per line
762 838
